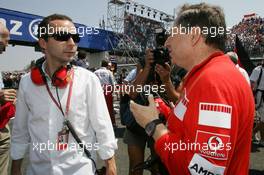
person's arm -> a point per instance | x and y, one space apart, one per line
164 73
112 78
142 75
254 78
168 142
20 138
100 121
131 76
16 167
253 85
110 166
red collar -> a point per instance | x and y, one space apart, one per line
202 64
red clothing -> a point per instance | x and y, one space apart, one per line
216 113
109 102
7 111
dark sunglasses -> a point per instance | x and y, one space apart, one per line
66 36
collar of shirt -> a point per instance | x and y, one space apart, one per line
202 64
47 76
43 69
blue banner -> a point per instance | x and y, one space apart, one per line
23 29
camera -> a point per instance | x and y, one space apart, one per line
161 56
161 53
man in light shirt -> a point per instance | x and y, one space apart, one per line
107 81
233 56
46 100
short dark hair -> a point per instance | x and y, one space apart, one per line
43 25
204 15
104 63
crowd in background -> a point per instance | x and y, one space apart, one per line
11 79
251 34
141 31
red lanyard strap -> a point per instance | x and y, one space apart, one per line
68 99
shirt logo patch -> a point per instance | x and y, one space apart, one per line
215 115
181 107
201 166
213 145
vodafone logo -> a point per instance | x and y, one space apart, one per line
215 143
33 28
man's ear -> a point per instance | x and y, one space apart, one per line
196 35
42 44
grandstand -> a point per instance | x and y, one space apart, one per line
250 31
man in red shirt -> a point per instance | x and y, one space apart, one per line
209 130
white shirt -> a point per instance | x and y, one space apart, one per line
132 75
244 73
1 81
105 76
38 121
255 75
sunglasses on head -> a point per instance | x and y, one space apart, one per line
66 36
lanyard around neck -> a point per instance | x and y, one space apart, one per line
58 104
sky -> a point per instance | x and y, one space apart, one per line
90 12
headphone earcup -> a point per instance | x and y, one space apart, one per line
61 78
36 76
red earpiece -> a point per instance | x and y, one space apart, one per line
60 78
36 76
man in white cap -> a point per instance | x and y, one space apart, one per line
257 84
233 56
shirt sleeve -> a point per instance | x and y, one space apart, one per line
112 78
245 74
100 120
1 81
20 138
255 74
131 76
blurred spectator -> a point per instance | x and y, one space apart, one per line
234 58
81 60
7 110
131 76
122 76
107 82
257 84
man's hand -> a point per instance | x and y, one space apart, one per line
144 114
7 95
164 72
110 166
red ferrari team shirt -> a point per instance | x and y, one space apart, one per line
211 124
